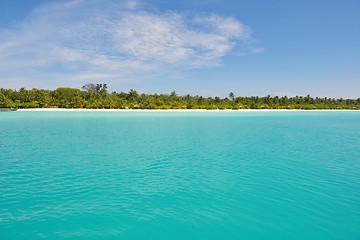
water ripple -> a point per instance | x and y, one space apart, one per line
201 176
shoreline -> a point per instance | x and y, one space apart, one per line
175 110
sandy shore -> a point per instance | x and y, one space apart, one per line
169 110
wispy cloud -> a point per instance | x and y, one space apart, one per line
88 38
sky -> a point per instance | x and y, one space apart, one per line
198 47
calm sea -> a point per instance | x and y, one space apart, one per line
212 175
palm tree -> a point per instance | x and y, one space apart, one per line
231 95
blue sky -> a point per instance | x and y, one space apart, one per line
205 47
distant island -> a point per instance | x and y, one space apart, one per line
96 96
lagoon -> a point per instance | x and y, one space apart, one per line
180 175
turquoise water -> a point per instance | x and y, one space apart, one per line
216 175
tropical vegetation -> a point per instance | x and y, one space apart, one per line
96 96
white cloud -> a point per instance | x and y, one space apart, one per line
225 26
132 4
93 76
257 50
69 54
104 36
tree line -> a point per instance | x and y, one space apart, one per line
96 96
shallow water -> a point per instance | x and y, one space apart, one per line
158 175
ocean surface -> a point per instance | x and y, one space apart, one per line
180 175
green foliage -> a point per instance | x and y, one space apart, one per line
97 96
